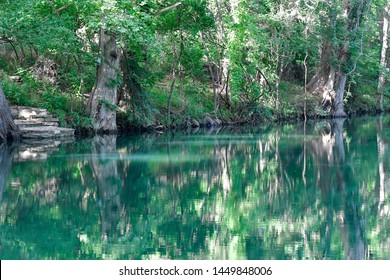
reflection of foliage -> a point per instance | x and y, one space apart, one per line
279 193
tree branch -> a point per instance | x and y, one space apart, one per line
57 11
265 78
62 8
167 9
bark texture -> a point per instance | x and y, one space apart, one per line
8 130
339 98
336 63
383 60
104 94
323 82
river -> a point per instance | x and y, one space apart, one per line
319 190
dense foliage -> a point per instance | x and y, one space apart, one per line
234 60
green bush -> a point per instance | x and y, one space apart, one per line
68 109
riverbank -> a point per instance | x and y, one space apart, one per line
151 114
194 123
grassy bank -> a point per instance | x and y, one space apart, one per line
25 90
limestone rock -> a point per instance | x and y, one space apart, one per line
37 123
41 132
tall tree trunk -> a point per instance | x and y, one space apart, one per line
339 98
104 94
330 80
221 77
174 66
323 81
213 78
383 61
8 130
305 99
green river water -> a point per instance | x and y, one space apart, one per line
319 190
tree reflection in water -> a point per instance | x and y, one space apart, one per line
105 171
316 191
336 180
6 156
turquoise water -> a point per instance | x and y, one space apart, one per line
319 190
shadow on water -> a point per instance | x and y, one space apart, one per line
6 156
108 184
318 190
339 192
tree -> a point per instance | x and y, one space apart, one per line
8 130
167 61
104 93
181 27
383 60
340 38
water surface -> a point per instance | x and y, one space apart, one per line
319 190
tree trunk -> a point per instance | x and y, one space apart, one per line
8 130
213 78
176 63
383 62
323 81
104 93
221 77
174 66
339 99
330 80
